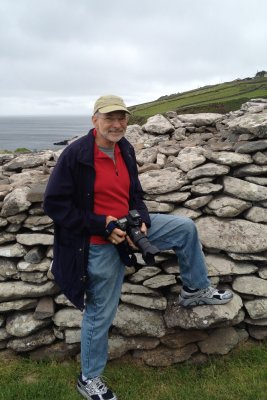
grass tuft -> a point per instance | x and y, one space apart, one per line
240 375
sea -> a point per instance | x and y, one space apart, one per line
37 133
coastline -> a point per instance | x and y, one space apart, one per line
37 133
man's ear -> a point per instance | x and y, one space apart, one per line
94 119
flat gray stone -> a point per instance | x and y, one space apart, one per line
238 236
32 342
250 123
226 206
201 119
12 250
209 169
159 281
32 239
26 161
243 189
8 269
257 322
256 214
162 181
119 345
198 202
23 324
12 290
33 277
257 309
251 147
36 193
68 318
251 169
260 158
72 335
186 212
136 321
17 305
15 202
169 148
251 285
258 332
38 223
6 237
189 158
180 339
163 357
135 134
43 266
263 272
219 265
205 189
146 156
248 257
144 273
154 303
27 178
156 207
3 336
128 288
161 160
59 351
229 158
202 317
35 255
220 341
173 197
158 125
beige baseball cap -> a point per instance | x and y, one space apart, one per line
109 103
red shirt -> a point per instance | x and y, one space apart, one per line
111 188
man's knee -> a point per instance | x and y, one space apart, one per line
189 226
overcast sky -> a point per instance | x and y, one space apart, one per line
58 56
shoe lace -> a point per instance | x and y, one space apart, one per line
96 386
208 292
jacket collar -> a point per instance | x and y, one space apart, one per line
86 151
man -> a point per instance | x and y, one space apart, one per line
94 183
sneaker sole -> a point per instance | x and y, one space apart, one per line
83 393
87 396
201 302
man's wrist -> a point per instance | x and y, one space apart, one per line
109 228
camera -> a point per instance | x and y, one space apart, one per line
131 225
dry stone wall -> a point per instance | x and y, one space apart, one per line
209 167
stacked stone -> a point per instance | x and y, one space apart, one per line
209 167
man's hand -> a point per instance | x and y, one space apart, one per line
143 229
117 235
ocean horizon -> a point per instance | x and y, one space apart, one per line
41 132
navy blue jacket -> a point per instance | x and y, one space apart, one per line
69 201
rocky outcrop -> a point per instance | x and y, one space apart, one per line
209 167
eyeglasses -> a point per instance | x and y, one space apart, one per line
111 119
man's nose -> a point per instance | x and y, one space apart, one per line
117 123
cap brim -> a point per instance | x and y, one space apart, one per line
109 109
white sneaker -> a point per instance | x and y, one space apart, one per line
200 297
94 389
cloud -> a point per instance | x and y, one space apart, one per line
58 56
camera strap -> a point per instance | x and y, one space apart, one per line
127 256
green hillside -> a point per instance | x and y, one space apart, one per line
220 98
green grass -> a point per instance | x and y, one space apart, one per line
241 375
18 150
221 98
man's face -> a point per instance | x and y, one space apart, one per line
110 127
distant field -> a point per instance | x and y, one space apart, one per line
220 98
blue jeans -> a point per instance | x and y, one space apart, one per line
106 273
